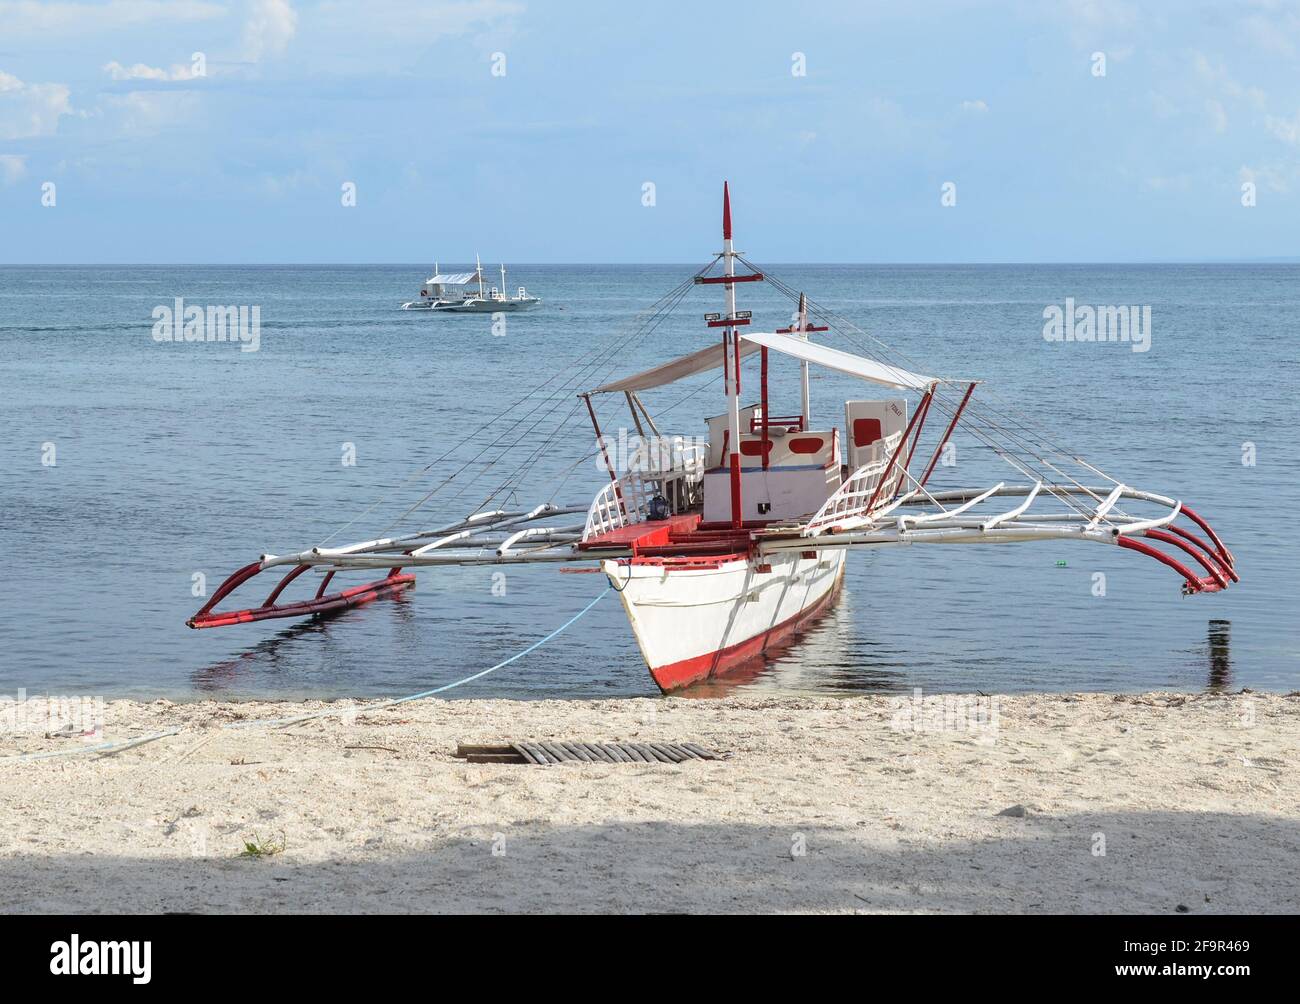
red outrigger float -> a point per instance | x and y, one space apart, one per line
722 548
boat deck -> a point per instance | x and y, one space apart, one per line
686 539
638 536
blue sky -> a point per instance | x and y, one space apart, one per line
546 163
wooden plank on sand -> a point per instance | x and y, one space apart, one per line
465 749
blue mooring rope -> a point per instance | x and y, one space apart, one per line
107 749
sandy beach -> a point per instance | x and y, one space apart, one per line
1156 803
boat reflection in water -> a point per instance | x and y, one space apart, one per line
277 664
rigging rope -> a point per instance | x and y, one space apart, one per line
107 749
577 377
616 355
978 423
842 322
1011 435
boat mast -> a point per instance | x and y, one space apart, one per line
503 282
731 344
478 270
803 333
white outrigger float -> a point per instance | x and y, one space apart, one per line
465 293
721 551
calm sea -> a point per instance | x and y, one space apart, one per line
171 460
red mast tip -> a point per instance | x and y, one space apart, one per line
726 213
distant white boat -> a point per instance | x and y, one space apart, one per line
465 293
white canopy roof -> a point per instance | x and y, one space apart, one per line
453 279
790 345
697 362
844 362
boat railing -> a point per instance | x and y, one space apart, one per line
794 423
694 457
669 455
870 487
672 466
620 503
684 486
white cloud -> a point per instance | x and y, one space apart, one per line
1099 24
41 18
140 71
1101 13
1274 177
281 185
270 27
391 29
1211 94
1273 29
974 107
30 109
1170 183
1217 77
148 113
13 167
1287 130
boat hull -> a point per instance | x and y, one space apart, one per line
489 306
473 306
698 622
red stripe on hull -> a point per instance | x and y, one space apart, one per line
681 674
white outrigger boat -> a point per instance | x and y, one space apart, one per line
465 293
724 549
